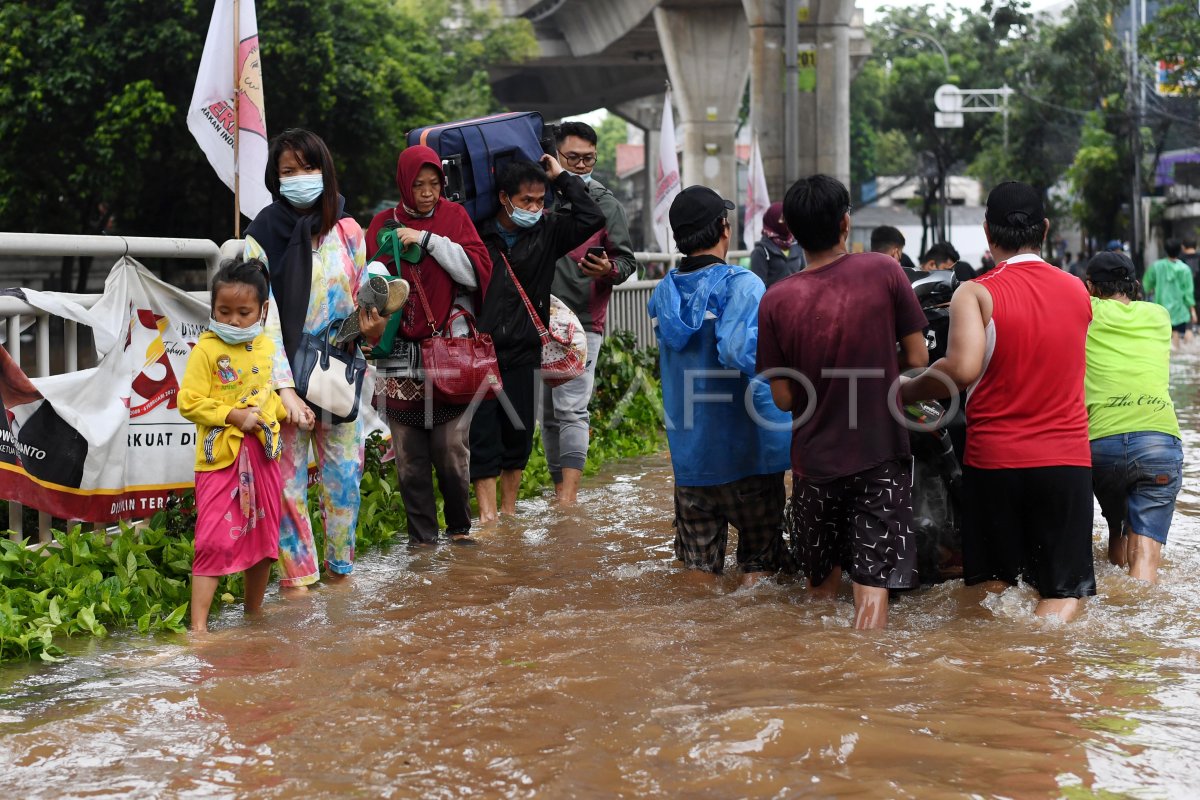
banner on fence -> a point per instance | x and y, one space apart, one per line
105 443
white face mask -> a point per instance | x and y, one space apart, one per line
232 334
302 191
522 218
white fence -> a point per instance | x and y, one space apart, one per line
627 310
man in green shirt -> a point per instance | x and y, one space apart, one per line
1169 283
1137 455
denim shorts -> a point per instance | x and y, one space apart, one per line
1136 477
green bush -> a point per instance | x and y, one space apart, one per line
87 581
626 411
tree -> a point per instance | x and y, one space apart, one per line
866 107
1097 179
91 116
1071 70
611 132
93 97
364 72
909 66
1173 37
1060 73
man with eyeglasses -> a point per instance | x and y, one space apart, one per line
583 280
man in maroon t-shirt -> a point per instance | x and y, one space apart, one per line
827 341
1017 345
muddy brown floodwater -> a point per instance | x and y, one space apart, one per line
568 656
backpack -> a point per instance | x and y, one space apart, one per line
473 150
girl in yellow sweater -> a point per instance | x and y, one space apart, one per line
227 392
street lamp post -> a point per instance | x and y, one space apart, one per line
944 179
927 37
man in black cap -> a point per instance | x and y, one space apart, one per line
729 444
1017 339
1137 454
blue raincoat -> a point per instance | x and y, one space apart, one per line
706 322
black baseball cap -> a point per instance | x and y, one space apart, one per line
1110 266
1013 204
695 207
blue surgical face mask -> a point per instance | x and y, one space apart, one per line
587 178
522 218
302 190
232 334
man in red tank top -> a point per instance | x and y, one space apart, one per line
1017 346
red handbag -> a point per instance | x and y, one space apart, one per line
459 368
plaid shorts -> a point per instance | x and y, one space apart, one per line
862 523
753 505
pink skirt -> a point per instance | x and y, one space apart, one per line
237 513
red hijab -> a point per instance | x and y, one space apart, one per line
448 219
775 227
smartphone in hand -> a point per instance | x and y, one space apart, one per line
597 252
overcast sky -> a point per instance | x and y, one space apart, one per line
871 7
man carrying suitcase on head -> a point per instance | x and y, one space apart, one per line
584 281
524 244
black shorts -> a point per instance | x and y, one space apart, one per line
862 523
753 505
502 438
1181 328
1033 523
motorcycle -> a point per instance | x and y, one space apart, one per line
938 440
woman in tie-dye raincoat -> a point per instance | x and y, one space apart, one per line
316 255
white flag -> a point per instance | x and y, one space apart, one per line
756 197
667 178
210 115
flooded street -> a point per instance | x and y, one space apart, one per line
569 656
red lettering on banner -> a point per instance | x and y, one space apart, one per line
158 399
223 114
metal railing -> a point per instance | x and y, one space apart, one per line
12 310
54 244
627 310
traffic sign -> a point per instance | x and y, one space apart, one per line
947 119
948 98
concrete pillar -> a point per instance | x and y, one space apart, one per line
707 51
646 114
765 21
825 110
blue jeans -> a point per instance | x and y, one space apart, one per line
1136 478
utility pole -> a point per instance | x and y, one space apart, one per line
791 92
1136 100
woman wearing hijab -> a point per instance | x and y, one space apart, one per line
453 272
315 254
776 255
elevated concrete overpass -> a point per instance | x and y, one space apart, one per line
618 54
